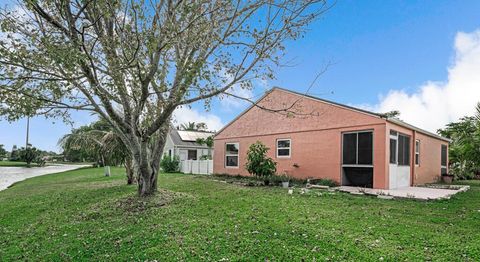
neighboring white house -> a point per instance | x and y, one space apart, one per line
183 144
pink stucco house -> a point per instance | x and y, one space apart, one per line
311 137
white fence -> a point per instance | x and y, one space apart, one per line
197 167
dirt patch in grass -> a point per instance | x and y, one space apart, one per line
136 204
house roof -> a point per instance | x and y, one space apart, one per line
419 130
391 120
187 138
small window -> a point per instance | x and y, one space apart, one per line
283 147
231 154
192 155
417 152
170 152
444 156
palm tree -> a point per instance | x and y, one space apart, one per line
192 126
101 142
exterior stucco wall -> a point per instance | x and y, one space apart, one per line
428 170
168 146
430 155
316 131
316 137
310 115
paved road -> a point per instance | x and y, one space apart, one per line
10 175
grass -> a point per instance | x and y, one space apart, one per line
15 164
82 215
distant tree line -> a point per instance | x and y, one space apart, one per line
29 154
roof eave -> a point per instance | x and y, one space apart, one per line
422 131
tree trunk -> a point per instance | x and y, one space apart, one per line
130 171
146 157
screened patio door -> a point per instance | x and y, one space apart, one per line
399 168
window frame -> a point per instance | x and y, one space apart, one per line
188 154
395 135
289 147
356 157
230 155
417 152
446 156
408 155
395 153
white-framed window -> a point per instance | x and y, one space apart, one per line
284 147
231 155
400 148
417 152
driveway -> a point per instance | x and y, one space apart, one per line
10 175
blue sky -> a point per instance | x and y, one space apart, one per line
406 55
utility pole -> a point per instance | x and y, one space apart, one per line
28 132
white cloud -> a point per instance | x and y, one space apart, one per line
230 103
185 115
435 104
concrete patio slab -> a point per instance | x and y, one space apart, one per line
420 193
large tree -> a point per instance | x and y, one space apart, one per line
464 150
134 62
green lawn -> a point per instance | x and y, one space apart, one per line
82 215
15 164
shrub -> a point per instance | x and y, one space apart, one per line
463 170
28 155
258 163
170 164
324 182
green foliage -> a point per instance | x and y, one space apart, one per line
464 151
3 152
192 126
170 164
391 114
209 143
9 163
258 163
324 182
206 141
14 156
94 142
29 154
